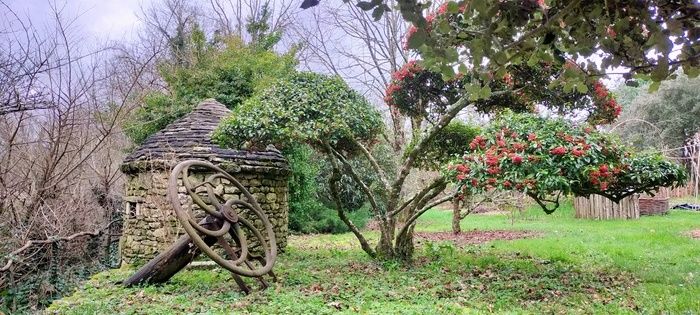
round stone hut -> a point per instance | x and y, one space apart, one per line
150 224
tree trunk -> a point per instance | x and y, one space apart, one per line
385 247
456 216
398 125
404 245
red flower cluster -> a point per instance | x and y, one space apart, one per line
389 95
407 71
430 18
491 160
607 107
462 171
508 79
478 142
442 9
601 177
411 30
611 31
558 150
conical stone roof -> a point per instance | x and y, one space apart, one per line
190 138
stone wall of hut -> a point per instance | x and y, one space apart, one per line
150 224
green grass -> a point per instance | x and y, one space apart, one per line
576 266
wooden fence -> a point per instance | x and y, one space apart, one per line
684 191
601 208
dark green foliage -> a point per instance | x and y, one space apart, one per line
303 108
673 110
660 39
157 111
311 216
422 93
230 75
307 213
350 193
447 145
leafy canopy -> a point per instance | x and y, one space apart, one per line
419 92
304 107
652 38
544 156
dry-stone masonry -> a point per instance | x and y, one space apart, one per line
150 224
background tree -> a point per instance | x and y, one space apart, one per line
673 112
229 74
203 52
251 20
60 145
665 121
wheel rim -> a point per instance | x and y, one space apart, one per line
227 222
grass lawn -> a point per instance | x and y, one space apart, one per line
576 266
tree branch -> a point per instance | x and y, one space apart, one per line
423 208
12 256
333 182
358 180
419 196
374 163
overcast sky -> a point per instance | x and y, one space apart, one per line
103 19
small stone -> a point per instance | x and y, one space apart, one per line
159 233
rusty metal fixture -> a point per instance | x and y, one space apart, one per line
223 211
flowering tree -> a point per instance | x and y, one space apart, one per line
544 157
424 95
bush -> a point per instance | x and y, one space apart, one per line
311 216
447 145
307 213
303 108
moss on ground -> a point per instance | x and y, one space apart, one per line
577 266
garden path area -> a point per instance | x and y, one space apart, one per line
565 265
